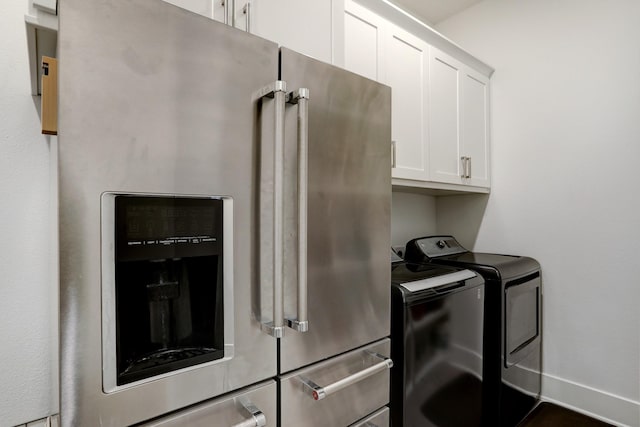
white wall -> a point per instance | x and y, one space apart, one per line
412 215
28 295
566 162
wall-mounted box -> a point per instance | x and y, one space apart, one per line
49 109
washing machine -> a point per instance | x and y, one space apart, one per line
512 323
436 345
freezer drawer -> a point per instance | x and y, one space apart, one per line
252 406
378 419
337 392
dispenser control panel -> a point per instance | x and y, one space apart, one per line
167 226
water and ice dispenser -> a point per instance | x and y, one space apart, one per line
165 293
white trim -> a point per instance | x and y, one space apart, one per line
595 403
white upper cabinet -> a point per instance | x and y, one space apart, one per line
440 98
363 36
406 71
458 122
382 51
301 25
213 9
444 118
475 127
219 10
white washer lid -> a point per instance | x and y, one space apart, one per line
444 279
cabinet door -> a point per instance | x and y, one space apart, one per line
406 71
300 25
444 118
210 8
363 47
474 107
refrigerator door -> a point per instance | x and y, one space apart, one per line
252 407
343 240
338 392
154 100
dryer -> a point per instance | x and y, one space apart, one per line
512 323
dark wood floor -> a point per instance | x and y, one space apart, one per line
549 415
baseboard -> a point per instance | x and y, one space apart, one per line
595 403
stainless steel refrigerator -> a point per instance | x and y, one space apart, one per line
224 226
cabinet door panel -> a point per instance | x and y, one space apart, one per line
444 114
406 73
363 35
300 25
475 132
211 9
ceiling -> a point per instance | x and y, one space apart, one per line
434 11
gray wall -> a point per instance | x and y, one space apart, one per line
28 292
412 215
566 142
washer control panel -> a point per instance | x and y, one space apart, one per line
437 246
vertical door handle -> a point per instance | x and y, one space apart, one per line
257 419
277 91
393 154
229 12
247 16
301 97
466 167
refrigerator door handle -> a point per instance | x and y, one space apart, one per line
301 98
320 392
258 419
277 91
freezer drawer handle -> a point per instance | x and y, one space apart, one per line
301 98
318 392
257 419
277 91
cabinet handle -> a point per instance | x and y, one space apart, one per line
229 12
318 392
301 97
247 15
277 91
393 154
257 419
466 167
